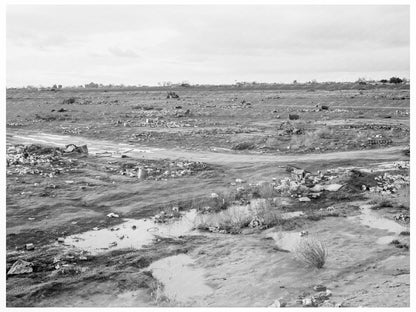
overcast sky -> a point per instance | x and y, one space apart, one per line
74 45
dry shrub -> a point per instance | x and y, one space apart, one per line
231 220
324 133
266 212
312 252
266 190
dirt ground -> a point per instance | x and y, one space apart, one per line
195 153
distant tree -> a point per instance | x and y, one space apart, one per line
91 85
295 81
361 81
54 86
59 86
395 80
384 81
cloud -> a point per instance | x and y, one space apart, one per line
216 43
123 52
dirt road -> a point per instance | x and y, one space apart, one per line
226 158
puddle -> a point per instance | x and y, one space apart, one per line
182 281
286 240
373 219
129 237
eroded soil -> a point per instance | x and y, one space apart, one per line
153 251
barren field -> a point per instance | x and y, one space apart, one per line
214 198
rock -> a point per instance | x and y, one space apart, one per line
70 148
322 296
21 267
278 303
319 288
29 246
239 181
304 199
214 195
60 239
315 195
256 222
293 116
303 233
333 187
317 188
113 215
307 302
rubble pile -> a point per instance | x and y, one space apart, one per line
376 127
156 170
41 160
305 184
227 130
162 123
388 183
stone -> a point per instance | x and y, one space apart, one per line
304 199
317 188
60 239
21 267
303 233
307 302
113 215
333 187
278 303
319 288
29 246
315 195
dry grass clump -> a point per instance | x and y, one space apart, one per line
400 199
230 220
259 214
266 190
312 252
324 133
264 211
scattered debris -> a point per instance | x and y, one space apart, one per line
21 267
278 303
30 246
113 215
